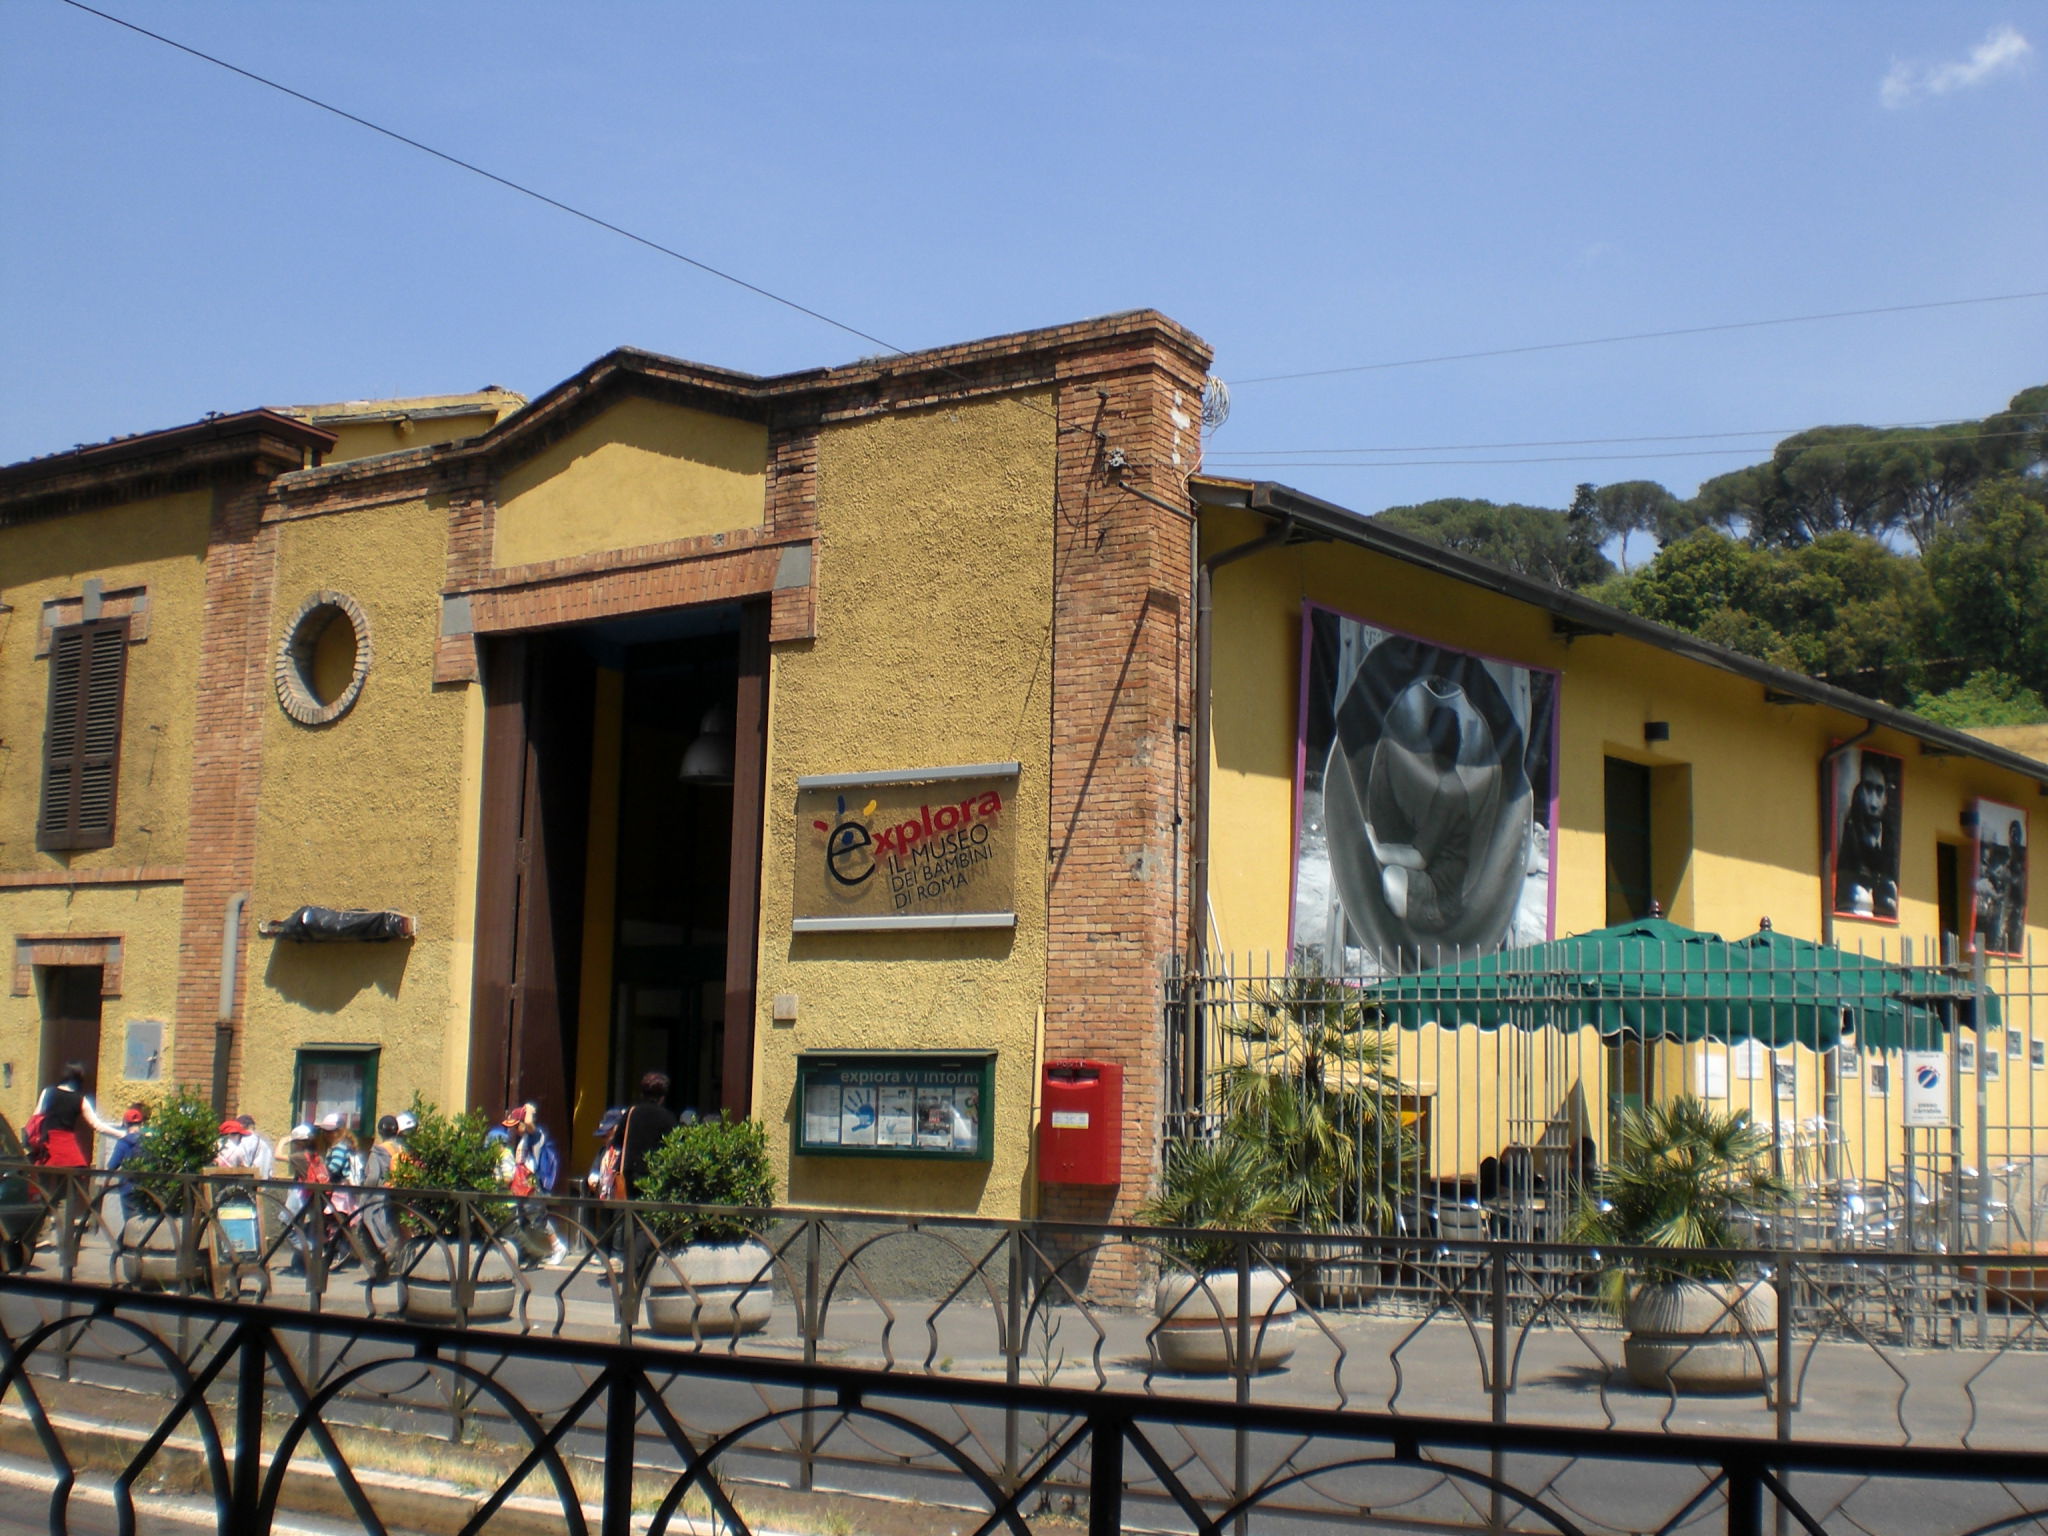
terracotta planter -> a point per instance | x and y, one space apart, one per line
711 1290
431 1290
1196 1334
2023 1283
1702 1335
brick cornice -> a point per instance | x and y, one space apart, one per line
260 443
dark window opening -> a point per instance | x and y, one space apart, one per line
1628 841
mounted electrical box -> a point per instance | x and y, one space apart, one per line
1081 1137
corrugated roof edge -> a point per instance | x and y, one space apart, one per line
1313 514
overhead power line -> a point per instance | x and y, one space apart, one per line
541 197
1284 458
1581 442
504 181
888 346
1608 341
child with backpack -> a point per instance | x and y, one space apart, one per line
535 1166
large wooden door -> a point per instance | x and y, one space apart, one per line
538 701
71 1030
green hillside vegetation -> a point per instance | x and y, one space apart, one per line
1906 564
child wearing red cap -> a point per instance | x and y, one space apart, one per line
134 1122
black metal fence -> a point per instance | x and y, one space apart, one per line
1504 1125
1891 1348
255 1410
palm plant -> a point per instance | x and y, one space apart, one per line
1316 1091
1225 1186
1684 1172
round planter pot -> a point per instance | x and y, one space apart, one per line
1702 1335
150 1252
1332 1275
429 1291
1196 1334
711 1290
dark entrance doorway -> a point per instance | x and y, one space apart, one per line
619 865
674 869
71 1029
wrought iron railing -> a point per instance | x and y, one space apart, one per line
1518 1117
1894 1348
259 1410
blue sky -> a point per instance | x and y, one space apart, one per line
1306 186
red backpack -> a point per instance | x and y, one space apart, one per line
35 1136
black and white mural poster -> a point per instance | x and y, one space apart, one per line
1864 802
1425 799
1998 878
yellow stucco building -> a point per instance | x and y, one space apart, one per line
848 745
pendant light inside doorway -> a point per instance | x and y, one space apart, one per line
708 759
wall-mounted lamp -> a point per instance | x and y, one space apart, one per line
1656 730
708 759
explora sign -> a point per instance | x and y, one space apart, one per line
931 849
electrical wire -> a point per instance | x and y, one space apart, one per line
1587 442
1606 341
1251 461
852 330
503 181
553 202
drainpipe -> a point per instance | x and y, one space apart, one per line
1831 1069
224 1015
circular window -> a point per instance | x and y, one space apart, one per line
325 656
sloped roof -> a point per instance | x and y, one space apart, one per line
1574 614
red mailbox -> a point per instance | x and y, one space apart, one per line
1081 1138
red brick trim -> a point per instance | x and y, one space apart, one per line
607 561
135 874
727 577
130 603
100 949
232 700
1121 705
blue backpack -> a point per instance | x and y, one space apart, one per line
548 1165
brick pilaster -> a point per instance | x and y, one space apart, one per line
220 843
1117 851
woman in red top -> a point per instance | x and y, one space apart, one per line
63 1104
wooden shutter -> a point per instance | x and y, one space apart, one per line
82 747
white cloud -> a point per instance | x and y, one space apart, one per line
2001 53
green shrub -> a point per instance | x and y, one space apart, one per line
714 1162
182 1136
447 1152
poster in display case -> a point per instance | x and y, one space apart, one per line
926 1104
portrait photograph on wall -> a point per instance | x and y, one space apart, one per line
1864 792
1998 878
1425 799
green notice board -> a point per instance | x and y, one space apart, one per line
929 1104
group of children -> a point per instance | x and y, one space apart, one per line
330 1154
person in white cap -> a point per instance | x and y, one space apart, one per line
302 1165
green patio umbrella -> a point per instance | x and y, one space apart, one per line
1660 980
